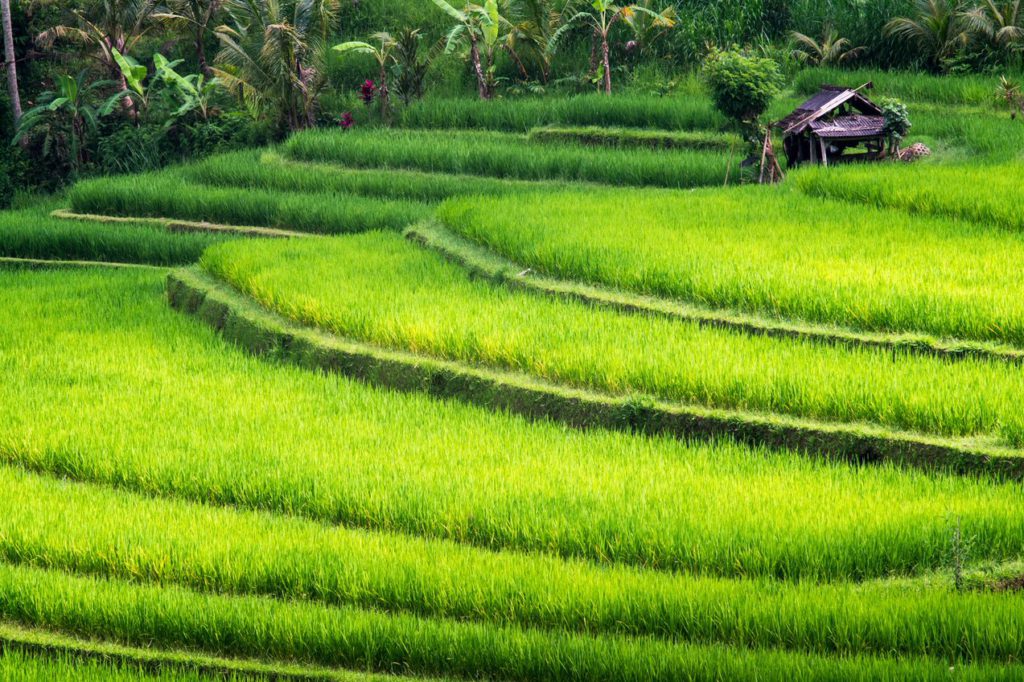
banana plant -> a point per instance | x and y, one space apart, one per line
480 27
191 93
601 17
66 119
383 56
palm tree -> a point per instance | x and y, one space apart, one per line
531 24
273 55
650 26
831 49
10 61
111 25
478 25
938 29
1000 22
194 18
601 18
383 56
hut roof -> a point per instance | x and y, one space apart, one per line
811 113
851 126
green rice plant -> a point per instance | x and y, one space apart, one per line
779 254
917 87
635 137
370 640
18 666
522 115
432 307
987 195
506 156
102 382
269 171
169 196
33 233
98 531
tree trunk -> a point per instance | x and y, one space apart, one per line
10 60
385 95
607 66
595 41
204 66
481 80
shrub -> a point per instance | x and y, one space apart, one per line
742 86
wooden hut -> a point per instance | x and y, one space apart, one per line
837 125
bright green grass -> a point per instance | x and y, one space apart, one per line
17 666
341 636
103 382
387 292
507 156
168 195
772 253
267 170
988 195
521 115
33 233
94 530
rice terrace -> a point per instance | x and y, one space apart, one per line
522 340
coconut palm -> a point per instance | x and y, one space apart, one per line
1000 22
830 50
650 26
195 19
107 26
531 24
938 28
479 26
273 55
9 60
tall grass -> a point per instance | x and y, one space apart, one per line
521 115
635 137
169 196
432 307
22 666
506 156
103 383
783 255
269 171
988 195
94 530
33 233
914 86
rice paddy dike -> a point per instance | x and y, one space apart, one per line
519 392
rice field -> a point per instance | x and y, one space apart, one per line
178 509
507 156
419 555
856 267
989 196
430 307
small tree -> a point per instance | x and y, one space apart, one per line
480 26
897 122
742 87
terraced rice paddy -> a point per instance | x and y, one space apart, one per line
386 292
855 267
177 509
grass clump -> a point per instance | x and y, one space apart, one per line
432 307
167 195
862 268
506 156
104 383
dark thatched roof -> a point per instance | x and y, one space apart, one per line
818 114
